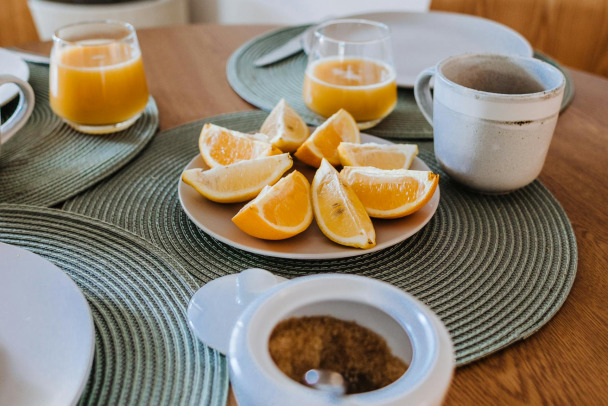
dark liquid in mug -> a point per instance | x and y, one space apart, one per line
494 77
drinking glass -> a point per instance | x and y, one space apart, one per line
97 80
350 66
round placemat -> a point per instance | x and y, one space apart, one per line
144 351
265 86
47 162
494 268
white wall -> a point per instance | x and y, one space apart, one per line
286 12
48 16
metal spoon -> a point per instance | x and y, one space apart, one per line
328 381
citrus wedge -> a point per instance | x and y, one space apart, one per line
390 193
285 128
221 146
382 156
339 213
240 181
279 211
276 151
324 141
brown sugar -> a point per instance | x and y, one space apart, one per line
300 344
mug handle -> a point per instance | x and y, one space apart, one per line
24 108
422 93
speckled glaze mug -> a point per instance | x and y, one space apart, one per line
493 117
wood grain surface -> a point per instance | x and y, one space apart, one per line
572 31
566 362
16 24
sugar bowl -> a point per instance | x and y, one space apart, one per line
239 315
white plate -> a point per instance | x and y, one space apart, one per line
420 40
47 337
10 64
215 219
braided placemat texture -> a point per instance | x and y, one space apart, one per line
47 162
264 87
145 353
494 268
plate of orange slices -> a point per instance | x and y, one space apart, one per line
249 194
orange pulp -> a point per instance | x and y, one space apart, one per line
365 88
98 84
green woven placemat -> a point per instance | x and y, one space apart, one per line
264 87
145 353
47 162
495 269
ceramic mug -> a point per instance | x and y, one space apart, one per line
493 117
22 112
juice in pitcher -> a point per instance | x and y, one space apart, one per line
365 88
98 85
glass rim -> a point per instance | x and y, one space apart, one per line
385 35
128 26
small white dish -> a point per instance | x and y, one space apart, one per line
215 220
11 64
411 330
47 338
421 40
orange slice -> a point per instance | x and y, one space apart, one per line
285 128
324 141
390 193
382 156
221 146
240 181
339 213
278 212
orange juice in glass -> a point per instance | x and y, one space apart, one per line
350 66
97 81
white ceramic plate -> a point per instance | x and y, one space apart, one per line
10 64
420 40
47 337
215 219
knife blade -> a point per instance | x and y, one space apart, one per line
291 47
300 42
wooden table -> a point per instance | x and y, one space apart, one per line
566 362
